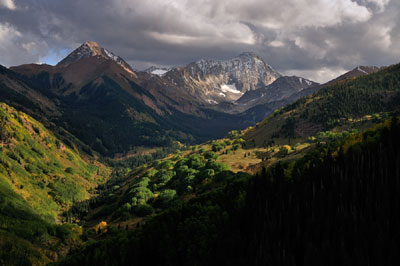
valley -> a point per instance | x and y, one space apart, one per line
98 159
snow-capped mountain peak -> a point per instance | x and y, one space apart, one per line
224 80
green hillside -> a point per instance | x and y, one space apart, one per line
164 183
40 177
46 173
348 104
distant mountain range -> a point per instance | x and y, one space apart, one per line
110 108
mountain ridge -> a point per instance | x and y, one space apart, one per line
89 83
89 49
93 94
207 78
338 104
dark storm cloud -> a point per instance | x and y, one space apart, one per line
315 38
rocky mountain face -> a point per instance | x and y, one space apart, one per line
223 81
93 49
281 89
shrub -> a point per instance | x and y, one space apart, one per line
233 134
195 161
69 170
164 176
156 163
152 172
210 155
217 146
33 169
202 150
142 194
177 158
166 165
143 210
236 147
166 196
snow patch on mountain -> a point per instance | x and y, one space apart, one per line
230 88
305 80
117 59
159 72
210 101
111 55
361 70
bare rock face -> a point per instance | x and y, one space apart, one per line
93 49
281 89
219 81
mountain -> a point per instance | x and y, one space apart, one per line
356 72
255 103
215 81
286 90
110 108
93 49
280 89
344 104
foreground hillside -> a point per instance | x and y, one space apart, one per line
334 206
40 178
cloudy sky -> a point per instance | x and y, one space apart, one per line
316 39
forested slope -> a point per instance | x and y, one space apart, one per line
333 107
338 205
